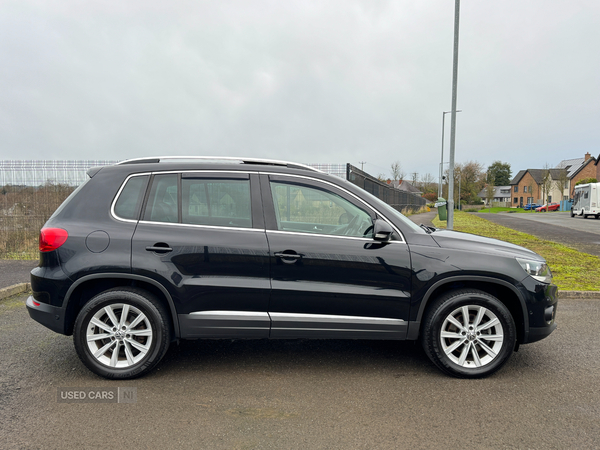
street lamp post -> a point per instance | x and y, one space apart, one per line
442 160
450 221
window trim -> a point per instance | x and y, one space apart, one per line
269 207
256 216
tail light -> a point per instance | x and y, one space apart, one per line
52 238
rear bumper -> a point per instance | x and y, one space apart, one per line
50 316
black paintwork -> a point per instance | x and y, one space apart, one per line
263 270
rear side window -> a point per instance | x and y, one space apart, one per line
213 202
163 204
202 201
129 202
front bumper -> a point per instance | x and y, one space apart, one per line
50 316
541 308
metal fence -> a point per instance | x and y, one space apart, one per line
31 191
400 200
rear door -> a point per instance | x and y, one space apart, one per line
202 236
330 278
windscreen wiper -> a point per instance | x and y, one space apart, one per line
428 229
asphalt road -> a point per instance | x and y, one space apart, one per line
14 272
577 232
304 394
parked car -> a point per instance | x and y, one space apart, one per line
149 251
548 207
531 206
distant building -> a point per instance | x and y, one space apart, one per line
501 194
405 186
579 169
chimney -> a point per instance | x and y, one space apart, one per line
587 156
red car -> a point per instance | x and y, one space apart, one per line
548 207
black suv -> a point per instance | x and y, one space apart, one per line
153 250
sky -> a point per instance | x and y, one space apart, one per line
328 81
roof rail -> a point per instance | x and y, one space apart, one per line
269 162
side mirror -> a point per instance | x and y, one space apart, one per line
382 231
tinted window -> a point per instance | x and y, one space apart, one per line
130 199
310 210
162 203
216 202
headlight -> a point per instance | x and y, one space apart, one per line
536 269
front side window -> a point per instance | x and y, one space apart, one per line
305 209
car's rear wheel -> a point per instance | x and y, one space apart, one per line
122 333
468 333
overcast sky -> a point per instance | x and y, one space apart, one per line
308 81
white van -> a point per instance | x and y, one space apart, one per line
586 201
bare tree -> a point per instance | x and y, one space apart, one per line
415 178
397 172
561 183
490 190
428 184
547 183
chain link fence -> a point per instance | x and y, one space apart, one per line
405 202
31 192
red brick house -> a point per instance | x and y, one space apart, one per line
578 169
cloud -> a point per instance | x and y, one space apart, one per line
310 81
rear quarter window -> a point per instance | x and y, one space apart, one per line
130 199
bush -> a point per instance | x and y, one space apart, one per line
430 196
586 181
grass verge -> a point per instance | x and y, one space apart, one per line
572 269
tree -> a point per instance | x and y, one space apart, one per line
471 179
562 183
414 179
489 192
397 172
500 172
547 183
428 184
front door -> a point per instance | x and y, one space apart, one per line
330 278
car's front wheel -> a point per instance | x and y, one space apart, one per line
468 333
122 333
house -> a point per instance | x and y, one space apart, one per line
538 185
579 169
404 185
501 194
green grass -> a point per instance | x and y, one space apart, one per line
495 210
572 269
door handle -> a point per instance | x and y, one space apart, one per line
159 247
288 258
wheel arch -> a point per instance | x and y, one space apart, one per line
88 286
502 290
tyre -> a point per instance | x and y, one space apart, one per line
572 213
122 333
468 333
